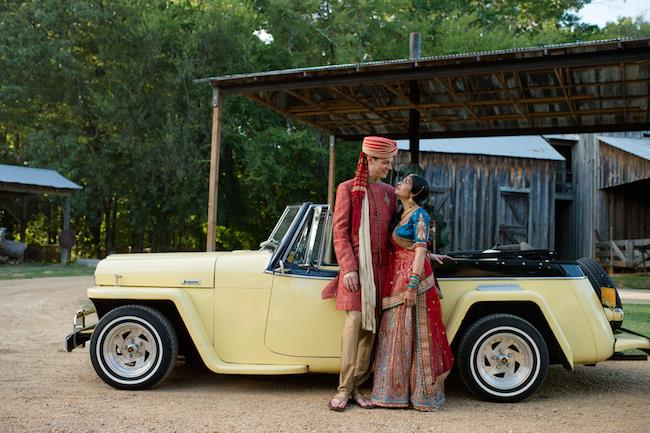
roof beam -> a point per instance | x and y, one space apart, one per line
324 108
559 72
367 107
619 127
506 91
267 104
412 105
451 93
34 189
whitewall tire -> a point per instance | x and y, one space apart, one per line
502 358
133 347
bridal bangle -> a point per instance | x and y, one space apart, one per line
414 282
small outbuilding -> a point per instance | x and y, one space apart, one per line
18 183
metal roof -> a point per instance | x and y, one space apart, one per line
523 146
362 66
565 137
38 177
598 86
634 146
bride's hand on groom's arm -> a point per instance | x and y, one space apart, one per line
439 258
351 281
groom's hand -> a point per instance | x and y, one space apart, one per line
351 281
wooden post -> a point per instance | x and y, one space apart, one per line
610 269
214 170
330 177
629 254
66 226
23 221
414 94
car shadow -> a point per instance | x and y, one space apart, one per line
560 383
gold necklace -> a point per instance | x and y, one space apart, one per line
407 215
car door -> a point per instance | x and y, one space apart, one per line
299 321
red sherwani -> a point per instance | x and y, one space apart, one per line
381 202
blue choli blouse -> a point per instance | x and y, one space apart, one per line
416 228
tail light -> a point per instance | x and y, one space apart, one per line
608 296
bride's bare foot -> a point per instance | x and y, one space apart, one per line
362 400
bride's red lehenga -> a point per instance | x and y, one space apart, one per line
413 354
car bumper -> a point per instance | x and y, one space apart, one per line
614 314
629 340
626 339
81 331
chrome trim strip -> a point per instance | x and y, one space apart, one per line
299 276
499 288
511 278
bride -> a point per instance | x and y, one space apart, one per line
413 354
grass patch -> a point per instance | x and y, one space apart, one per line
632 281
637 318
40 270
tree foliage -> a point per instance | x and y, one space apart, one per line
103 92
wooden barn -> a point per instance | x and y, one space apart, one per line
582 195
604 209
491 190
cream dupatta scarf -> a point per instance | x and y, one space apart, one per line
366 274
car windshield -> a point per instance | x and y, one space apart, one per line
281 227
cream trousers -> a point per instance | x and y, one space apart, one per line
356 350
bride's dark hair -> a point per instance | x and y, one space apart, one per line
420 191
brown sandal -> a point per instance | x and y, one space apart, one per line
362 400
341 396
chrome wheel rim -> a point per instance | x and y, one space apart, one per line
130 350
505 361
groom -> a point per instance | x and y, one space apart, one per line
362 215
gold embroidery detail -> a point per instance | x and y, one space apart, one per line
422 229
398 298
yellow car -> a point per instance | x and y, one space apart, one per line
508 314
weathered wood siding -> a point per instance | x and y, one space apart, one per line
618 167
582 215
588 215
470 191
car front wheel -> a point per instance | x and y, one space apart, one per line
133 347
502 358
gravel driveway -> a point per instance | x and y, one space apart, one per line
44 388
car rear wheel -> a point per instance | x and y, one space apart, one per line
502 358
133 347
598 278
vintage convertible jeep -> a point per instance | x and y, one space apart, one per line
508 315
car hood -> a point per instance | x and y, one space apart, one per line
169 269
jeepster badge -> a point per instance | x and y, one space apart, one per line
191 282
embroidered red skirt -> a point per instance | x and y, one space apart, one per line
413 354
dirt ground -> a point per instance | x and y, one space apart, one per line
44 388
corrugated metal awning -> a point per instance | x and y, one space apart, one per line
596 86
17 178
523 146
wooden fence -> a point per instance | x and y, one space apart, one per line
632 254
